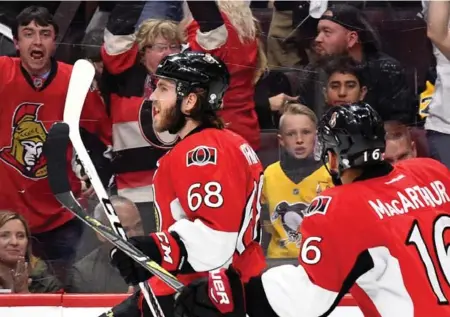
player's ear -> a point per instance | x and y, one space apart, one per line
332 161
189 103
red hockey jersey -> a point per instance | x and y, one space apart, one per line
387 236
26 115
207 189
238 111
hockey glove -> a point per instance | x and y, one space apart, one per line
164 248
221 294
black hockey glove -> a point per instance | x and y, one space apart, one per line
164 248
221 294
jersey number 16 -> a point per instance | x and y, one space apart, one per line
441 224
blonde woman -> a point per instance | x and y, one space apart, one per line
228 30
130 59
20 271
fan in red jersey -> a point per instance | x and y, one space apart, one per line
207 188
382 233
33 91
227 30
130 59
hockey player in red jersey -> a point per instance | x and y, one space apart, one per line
382 234
207 188
33 90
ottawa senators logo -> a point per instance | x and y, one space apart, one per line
163 140
202 155
291 216
28 138
319 205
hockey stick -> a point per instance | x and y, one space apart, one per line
55 152
80 82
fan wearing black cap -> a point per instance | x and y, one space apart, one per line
382 233
207 188
345 30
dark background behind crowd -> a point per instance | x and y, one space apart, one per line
389 64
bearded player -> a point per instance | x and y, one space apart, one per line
207 189
382 233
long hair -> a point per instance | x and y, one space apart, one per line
246 25
203 115
6 216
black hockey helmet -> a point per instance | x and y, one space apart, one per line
191 70
355 133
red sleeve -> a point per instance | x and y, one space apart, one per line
119 52
219 42
95 119
7 66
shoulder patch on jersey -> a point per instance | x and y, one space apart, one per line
202 155
319 205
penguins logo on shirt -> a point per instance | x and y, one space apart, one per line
291 216
24 153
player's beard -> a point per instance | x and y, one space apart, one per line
167 119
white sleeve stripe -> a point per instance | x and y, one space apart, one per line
291 293
384 285
213 39
207 249
117 44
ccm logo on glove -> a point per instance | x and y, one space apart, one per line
165 247
220 291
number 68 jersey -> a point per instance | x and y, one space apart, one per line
207 189
385 238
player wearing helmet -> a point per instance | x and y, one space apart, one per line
207 188
382 234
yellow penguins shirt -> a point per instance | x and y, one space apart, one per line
286 201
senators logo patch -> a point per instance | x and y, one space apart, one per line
202 155
28 137
319 205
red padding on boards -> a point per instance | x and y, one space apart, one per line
94 300
85 300
7 300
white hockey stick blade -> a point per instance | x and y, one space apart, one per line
83 73
80 83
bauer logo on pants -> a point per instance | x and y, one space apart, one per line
202 155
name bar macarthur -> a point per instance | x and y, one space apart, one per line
412 199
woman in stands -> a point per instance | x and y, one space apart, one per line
228 30
130 59
20 271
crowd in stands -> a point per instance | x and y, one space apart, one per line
289 61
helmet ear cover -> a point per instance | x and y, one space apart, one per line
355 133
